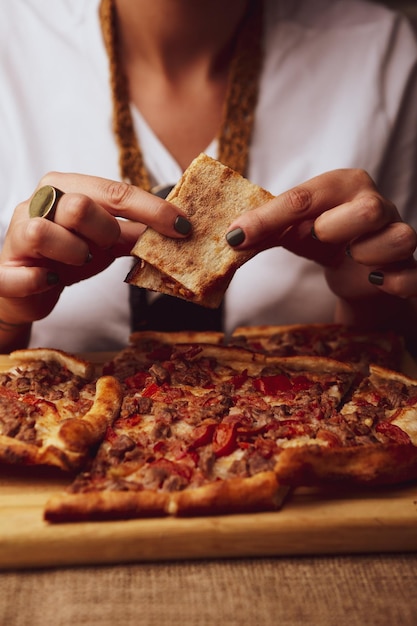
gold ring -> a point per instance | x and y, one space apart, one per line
44 202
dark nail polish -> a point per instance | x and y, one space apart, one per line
313 233
376 278
52 278
235 237
182 225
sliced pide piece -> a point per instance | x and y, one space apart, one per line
200 267
344 343
373 438
391 400
52 410
258 493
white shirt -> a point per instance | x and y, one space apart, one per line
338 89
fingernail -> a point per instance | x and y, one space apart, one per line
235 237
313 233
376 278
182 225
52 278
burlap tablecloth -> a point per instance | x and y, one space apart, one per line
375 590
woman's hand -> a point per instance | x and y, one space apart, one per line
339 220
40 257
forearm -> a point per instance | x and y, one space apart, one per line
382 312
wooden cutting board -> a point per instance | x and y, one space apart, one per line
311 521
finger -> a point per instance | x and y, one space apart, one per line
123 200
21 282
304 203
80 214
38 238
396 242
396 282
368 212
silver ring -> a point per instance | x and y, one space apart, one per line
44 202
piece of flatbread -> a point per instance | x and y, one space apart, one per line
53 410
199 268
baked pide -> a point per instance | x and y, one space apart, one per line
199 268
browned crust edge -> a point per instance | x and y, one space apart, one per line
369 465
75 364
237 355
261 492
79 434
182 336
265 330
15 452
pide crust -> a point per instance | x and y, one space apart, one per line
199 268
139 338
80 434
75 364
364 466
261 492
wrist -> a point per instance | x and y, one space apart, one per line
14 335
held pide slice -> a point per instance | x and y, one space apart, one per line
199 268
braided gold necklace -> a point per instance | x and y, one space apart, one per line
238 112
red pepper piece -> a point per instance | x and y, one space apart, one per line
225 439
300 383
272 385
168 467
393 432
238 380
150 390
203 435
160 446
136 381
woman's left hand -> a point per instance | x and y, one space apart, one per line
340 220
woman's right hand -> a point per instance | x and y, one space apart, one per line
96 221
